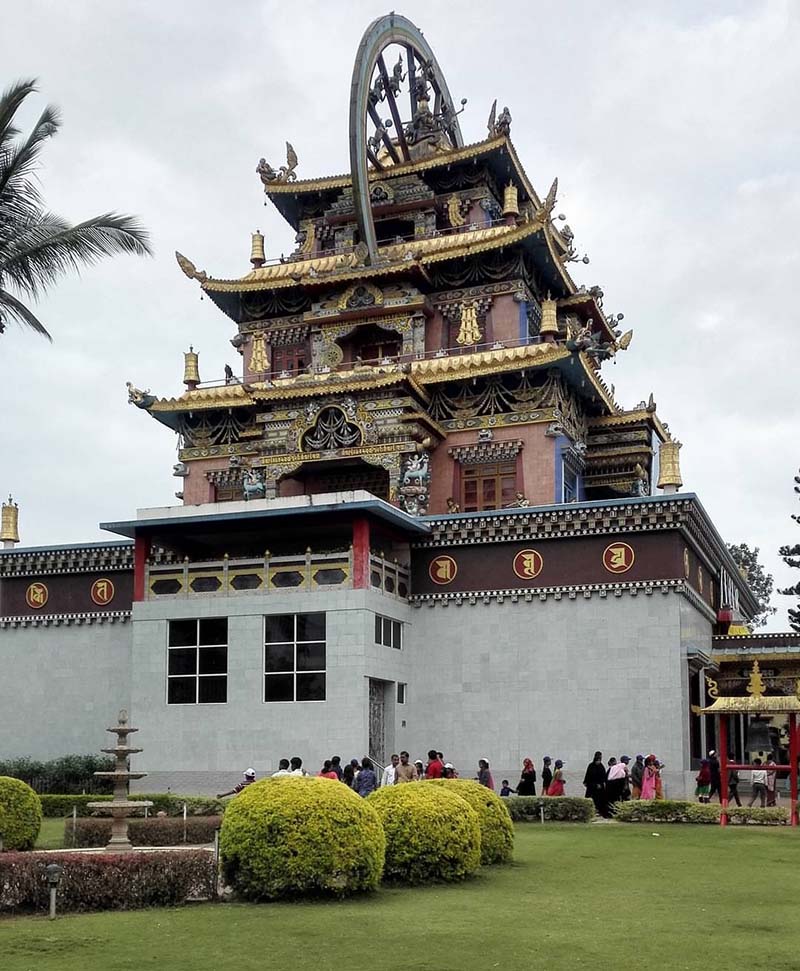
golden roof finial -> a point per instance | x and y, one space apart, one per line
548 329
257 257
669 478
9 524
510 200
191 368
755 686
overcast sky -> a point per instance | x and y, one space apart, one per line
672 128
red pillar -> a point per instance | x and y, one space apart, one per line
723 769
141 551
360 554
793 746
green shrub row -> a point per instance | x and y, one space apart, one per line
528 809
172 805
155 831
680 811
106 881
70 773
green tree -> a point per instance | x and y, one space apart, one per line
759 581
791 557
36 246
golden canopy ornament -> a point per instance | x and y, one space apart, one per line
757 703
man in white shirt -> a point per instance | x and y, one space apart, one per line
297 766
390 772
758 778
283 768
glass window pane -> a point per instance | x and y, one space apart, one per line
214 630
311 657
182 633
401 693
310 687
212 691
213 660
279 657
183 660
182 691
279 687
489 493
387 632
378 628
311 627
397 634
279 627
509 489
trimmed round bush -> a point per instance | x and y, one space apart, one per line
431 833
20 814
294 837
497 829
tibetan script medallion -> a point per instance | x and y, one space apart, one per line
102 592
443 570
36 596
618 558
528 564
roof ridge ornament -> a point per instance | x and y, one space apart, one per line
284 173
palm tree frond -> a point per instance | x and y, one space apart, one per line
45 250
10 102
10 307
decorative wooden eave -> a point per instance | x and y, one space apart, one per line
280 389
756 704
634 417
341 267
438 369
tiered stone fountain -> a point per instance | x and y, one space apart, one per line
121 804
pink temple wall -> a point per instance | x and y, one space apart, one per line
196 487
535 466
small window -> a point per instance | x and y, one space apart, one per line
401 692
388 632
294 657
197 661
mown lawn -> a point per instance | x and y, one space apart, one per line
51 835
604 896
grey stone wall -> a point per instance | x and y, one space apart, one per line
61 687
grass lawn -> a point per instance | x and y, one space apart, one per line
51 835
605 896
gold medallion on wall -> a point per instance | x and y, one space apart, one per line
36 595
443 570
618 557
528 564
102 592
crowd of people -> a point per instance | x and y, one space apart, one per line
365 776
605 783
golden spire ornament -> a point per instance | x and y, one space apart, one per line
9 524
191 368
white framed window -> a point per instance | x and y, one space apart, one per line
402 689
388 632
197 661
294 657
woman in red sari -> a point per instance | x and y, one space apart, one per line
556 787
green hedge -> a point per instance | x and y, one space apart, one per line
20 815
497 830
172 805
432 834
680 811
294 837
155 831
70 773
106 881
527 809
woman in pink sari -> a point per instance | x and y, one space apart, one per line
650 778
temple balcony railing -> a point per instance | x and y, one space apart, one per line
231 577
379 363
